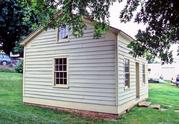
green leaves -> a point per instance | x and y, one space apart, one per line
100 28
72 13
17 19
162 19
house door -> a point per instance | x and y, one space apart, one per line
137 80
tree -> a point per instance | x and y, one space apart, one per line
17 20
161 17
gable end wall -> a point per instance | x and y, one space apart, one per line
91 74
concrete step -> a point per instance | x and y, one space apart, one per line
155 106
144 104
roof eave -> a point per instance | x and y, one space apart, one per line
31 36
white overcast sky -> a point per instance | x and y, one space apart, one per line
130 28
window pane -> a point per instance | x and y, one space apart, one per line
61 75
64 68
126 69
143 68
61 81
144 78
60 61
63 32
57 81
57 75
60 68
56 61
126 79
65 81
127 76
64 61
56 68
65 75
126 62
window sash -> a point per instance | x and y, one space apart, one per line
126 72
127 79
60 75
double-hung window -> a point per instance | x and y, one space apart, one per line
127 72
61 72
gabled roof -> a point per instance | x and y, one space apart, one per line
35 33
30 37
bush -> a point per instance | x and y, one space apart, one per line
19 67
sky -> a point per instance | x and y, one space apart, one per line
130 28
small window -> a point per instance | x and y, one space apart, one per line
60 71
127 73
143 72
63 33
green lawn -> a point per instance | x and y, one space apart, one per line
13 111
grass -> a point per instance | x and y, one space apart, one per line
13 111
165 94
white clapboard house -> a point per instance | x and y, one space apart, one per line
84 73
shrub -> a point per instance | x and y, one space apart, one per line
19 67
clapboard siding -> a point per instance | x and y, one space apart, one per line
71 96
70 92
91 71
127 95
50 97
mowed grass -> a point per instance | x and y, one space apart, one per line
13 111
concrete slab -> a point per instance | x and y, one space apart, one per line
155 106
144 104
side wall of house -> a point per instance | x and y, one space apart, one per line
91 74
127 96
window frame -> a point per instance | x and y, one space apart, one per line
126 86
143 74
59 40
53 71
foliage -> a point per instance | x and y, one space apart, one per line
160 16
19 67
17 20
54 13
149 57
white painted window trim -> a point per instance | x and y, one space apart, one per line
53 73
